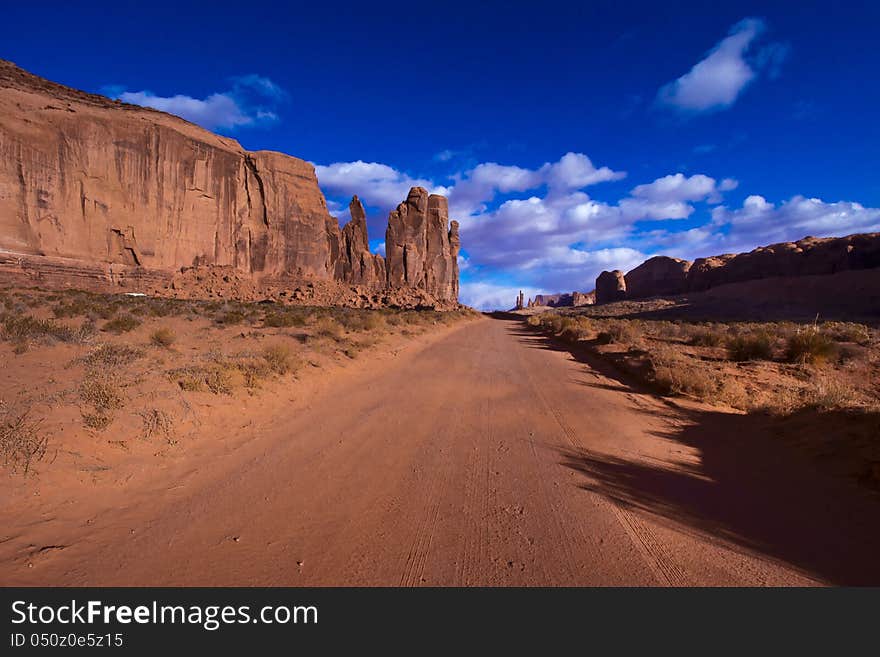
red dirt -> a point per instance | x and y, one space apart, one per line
480 455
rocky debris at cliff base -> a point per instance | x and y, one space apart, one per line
227 283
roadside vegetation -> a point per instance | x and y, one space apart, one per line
124 368
778 367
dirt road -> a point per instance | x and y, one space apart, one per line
485 457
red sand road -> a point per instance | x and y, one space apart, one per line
486 456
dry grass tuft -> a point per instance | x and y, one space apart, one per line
103 391
157 422
111 355
280 358
122 324
162 337
21 443
26 330
810 345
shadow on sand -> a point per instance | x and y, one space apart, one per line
749 487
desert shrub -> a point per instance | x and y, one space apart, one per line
279 358
847 332
327 327
810 345
534 320
665 329
626 332
162 337
103 392
97 420
364 320
733 393
25 330
675 374
73 308
573 329
157 422
122 324
231 317
21 443
829 393
219 380
111 355
752 345
284 318
707 337
189 378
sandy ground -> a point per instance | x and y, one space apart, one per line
477 455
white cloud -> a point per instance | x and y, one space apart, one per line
475 188
717 81
553 237
761 222
377 185
575 171
669 197
251 101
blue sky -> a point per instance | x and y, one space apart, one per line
570 139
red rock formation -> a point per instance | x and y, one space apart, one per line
97 187
358 265
610 286
811 256
583 298
86 178
657 276
807 257
421 249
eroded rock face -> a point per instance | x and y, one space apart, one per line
807 257
610 286
358 265
84 177
421 248
583 298
657 276
113 187
811 256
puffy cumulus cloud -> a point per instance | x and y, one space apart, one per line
253 100
377 185
716 81
669 197
678 187
760 222
575 171
475 188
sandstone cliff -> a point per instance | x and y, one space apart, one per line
610 286
421 247
119 193
811 256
